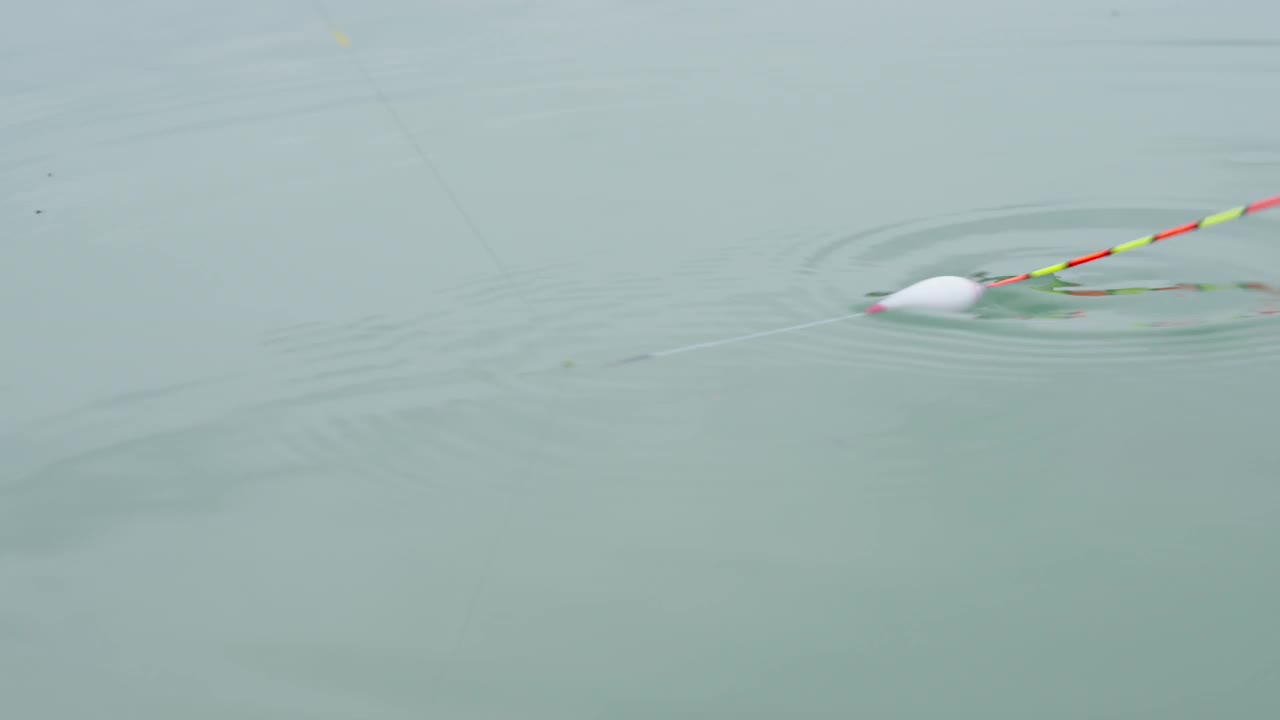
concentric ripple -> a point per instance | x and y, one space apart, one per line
1190 299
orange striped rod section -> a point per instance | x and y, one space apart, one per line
1224 216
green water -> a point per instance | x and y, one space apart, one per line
283 437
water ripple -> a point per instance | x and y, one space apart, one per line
1020 330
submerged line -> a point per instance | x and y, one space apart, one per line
345 41
737 338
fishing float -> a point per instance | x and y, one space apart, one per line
952 293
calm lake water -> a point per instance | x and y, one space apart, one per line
299 422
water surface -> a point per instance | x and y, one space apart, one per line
299 421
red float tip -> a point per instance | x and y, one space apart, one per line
877 308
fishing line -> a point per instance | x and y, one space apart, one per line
739 338
345 42
936 296
504 517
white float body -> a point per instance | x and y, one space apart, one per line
946 293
